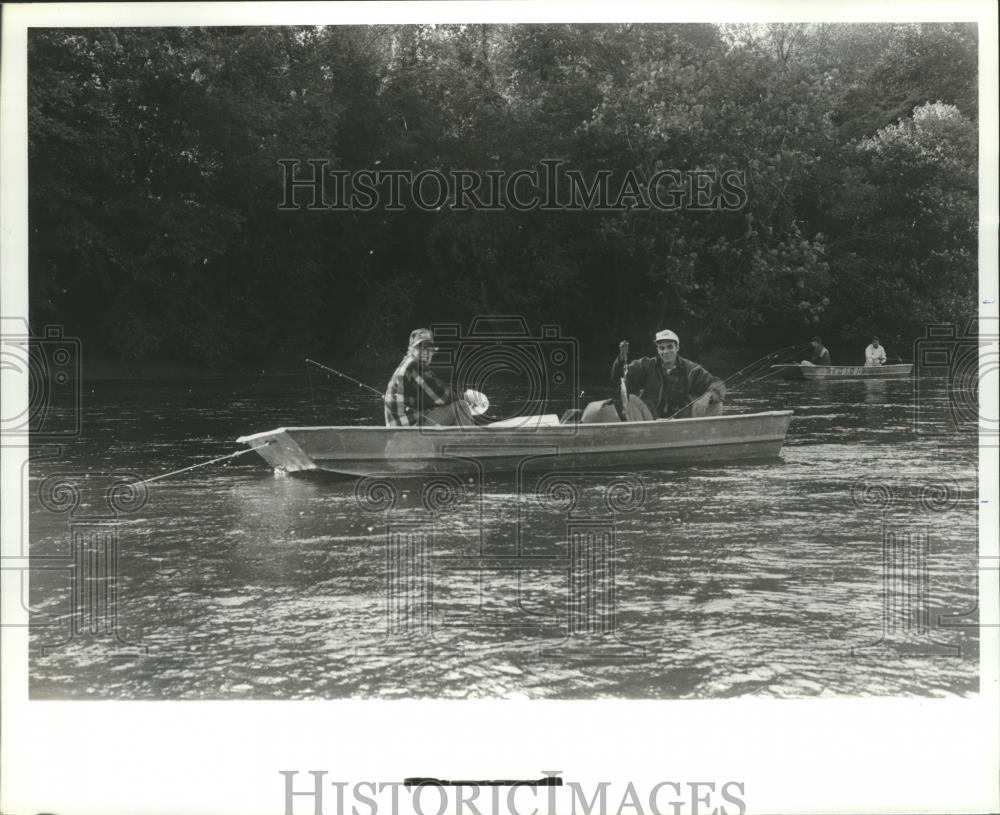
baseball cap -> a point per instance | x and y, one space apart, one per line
419 336
667 334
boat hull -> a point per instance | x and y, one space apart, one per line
843 371
788 371
362 451
856 371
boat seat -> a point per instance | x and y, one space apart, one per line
454 413
600 412
571 416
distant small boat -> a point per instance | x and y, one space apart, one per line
504 446
843 371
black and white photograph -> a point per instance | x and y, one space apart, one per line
596 405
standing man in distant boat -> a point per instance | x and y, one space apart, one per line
668 385
820 356
416 395
874 354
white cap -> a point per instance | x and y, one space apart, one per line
667 334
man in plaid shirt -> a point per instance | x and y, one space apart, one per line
415 393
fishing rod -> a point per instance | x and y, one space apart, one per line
239 453
344 376
787 350
378 393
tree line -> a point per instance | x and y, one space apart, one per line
155 184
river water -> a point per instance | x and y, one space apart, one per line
845 568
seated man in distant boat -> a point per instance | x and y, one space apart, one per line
416 395
874 354
667 385
820 356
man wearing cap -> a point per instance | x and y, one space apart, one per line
820 356
670 386
874 354
416 395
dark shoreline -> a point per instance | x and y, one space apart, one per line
724 361
109 370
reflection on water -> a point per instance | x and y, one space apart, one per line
845 568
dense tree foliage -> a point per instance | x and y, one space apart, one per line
155 182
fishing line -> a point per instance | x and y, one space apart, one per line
312 390
360 384
789 350
379 394
204 463
791 355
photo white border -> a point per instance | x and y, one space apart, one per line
836 756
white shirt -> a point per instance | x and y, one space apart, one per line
874 356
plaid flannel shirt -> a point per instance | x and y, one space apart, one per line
413 389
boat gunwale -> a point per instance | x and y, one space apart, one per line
800 366
537 430
856 371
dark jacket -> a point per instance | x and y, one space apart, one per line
820 356
665 394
